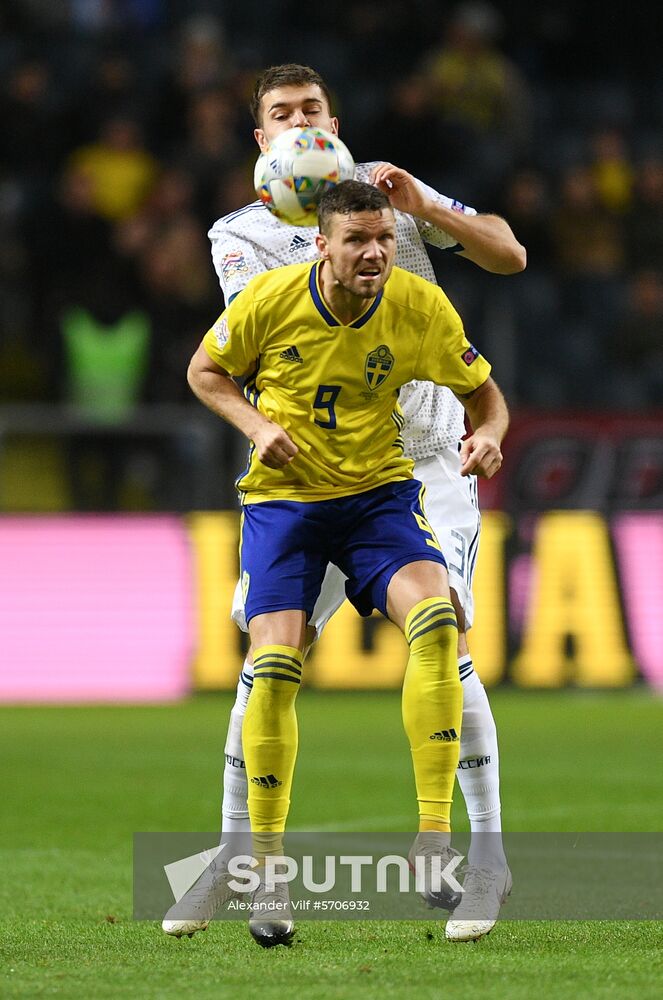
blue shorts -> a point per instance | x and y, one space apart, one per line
286 546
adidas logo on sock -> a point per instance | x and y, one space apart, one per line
267 781
298 243
445 735
291 354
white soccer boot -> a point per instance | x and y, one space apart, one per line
198 905
271 921
485 892
427 845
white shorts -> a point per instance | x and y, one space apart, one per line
452 509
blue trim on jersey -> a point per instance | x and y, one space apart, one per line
242 211
369 312
399 422
323 309
318 301
232 297
250 389
245 472
252 394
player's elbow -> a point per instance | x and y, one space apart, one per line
520 258
515 259
193 377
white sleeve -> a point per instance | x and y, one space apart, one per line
236 260
433 234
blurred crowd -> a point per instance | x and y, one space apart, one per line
125 134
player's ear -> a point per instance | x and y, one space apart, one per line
334 126
321 244
259 137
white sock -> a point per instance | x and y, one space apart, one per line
234 809
478 769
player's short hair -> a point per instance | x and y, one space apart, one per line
286 75
348 197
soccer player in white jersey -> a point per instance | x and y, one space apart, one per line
250 241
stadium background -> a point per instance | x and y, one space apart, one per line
125 134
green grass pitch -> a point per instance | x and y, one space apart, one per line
77 782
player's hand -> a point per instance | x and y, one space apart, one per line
400 187
274 447
480 455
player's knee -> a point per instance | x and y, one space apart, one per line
432 636
442 637
443 653
274 692
277 669
432 622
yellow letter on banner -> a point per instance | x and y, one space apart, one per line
215 540
338 661
487 638
574 603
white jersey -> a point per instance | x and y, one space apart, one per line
252 240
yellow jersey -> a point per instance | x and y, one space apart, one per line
332 387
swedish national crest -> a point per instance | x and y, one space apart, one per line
379 363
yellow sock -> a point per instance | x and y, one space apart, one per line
269 739
432 708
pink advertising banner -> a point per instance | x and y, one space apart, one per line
131 608
95 608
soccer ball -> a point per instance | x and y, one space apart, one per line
299 166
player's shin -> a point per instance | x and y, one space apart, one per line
269 737
432 708
478 770
235 811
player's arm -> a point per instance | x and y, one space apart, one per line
487 240
216 389
480 453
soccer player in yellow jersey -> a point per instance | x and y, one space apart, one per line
324 349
